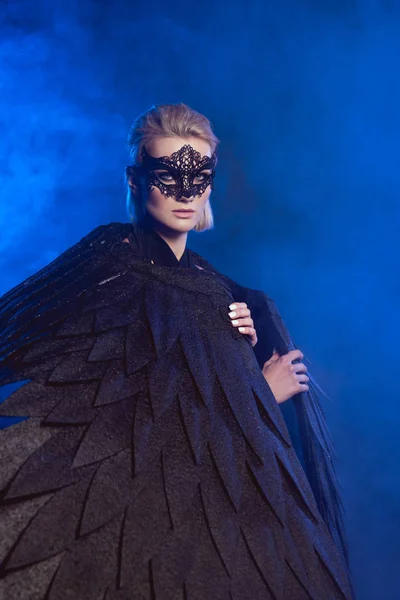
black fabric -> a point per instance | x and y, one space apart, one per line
150 246
153 461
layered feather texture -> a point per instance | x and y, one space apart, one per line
303 413
153 462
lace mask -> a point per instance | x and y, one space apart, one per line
181 174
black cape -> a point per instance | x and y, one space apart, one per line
151 460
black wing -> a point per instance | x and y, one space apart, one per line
152 461
303 414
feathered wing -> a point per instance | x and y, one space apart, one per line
316 443
152 461
303 414
46 296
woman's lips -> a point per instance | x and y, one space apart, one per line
185 214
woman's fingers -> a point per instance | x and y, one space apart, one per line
248 330
303 387
294 355
285 378
302 378
239 311
302 381
251 332
240 317
243 322
300 368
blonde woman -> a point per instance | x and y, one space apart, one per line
151 459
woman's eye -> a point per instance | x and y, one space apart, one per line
201 177
165 177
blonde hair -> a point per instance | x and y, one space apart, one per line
167 120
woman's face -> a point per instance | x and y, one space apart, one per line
170 191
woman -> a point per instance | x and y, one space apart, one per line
153 460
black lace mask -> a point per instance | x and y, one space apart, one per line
181 173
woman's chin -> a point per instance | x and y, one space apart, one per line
182 225
174 223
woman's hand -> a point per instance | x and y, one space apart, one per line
284 378
241 318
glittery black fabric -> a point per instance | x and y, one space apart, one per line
148 245
153 461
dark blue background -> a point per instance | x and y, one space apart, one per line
305 97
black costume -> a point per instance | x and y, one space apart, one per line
153 461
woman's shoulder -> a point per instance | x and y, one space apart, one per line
111 231
257 300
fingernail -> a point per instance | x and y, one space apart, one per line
242 329
233 306
236 322
232 314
